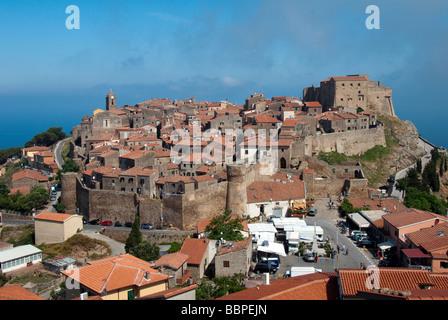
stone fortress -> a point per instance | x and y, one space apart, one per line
126 169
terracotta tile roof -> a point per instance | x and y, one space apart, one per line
122 271
195 249
29 174
438 234
236 246
290 122
264 191
137 171
378 204
440 280
410 216
316 286
173 260
266 119
136 154
51 216
23 190
203 177
347 78
354 280
101 137
16 292
169 293
313 104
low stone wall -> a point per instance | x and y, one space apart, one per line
155 236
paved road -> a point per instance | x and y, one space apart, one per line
327 219
57 152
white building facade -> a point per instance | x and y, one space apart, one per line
19 257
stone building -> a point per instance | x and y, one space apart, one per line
352 92
29 178
198 256
233 258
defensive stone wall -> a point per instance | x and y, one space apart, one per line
348 143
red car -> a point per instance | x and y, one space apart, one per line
106 223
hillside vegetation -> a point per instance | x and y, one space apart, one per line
402 149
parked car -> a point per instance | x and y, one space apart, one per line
117 224
147 226
309 257
312 212
265 266
365 241
354 232
107 223
128 224
95 222
53 197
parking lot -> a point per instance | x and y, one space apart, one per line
353 256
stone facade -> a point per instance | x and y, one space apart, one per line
352 92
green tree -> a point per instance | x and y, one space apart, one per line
60 207
135 236
47 138
145 251
4 190
347 207
226 227
419 166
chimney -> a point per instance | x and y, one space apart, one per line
147 275
266 279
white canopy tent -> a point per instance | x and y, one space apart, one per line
262 231
271 247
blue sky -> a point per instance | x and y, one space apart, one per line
213 50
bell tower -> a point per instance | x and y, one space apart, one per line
111 101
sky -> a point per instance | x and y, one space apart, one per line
213 50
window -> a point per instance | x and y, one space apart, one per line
121 179
130 180
226 264
142 181
444 265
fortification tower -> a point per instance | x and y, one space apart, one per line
111 101
68 196
236 189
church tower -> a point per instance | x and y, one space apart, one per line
111 101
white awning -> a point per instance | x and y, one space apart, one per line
358 219
271 247
387 244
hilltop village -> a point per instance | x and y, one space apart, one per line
127 153
177 165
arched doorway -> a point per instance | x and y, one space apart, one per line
283 163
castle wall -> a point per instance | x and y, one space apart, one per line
348 143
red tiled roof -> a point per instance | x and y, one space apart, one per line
354 280
23 190
16 292
173 260
29 174
114 273
347 78
195 249
410 216
51 216
265 191
313 104
316 286
378 204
